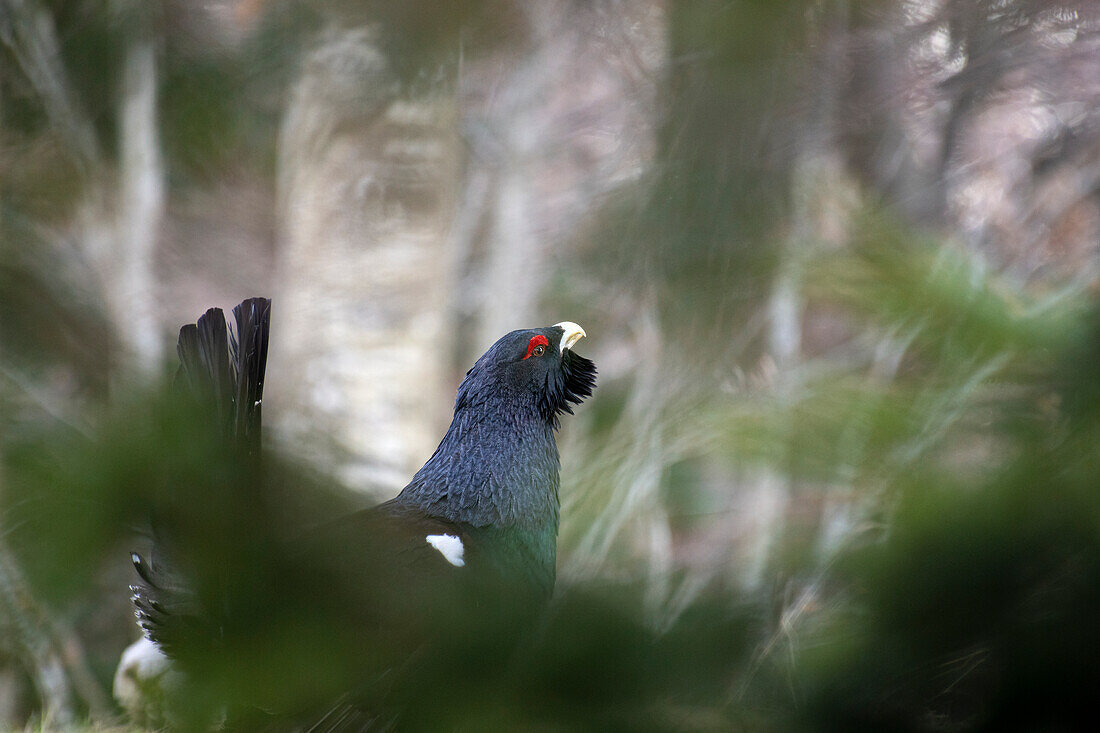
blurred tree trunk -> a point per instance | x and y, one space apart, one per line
519 127
131 288
118 223
367 175
91 239
555 121
817 218
725 156
875 132
115 230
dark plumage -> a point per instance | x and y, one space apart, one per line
473 534
496 468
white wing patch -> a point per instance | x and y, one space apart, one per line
449 546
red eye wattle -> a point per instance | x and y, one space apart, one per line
536 346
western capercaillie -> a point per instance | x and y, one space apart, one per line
365 603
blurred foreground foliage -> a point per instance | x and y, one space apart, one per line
963 598
950 430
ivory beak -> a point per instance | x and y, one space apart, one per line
573 334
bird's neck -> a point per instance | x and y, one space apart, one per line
497 466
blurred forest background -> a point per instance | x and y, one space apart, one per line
837 260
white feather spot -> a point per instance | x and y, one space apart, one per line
141 664
145 682
449 546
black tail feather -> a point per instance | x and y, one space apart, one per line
222 369
248 350
143 569
225 369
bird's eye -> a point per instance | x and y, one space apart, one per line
537 346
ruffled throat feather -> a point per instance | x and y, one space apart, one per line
567 387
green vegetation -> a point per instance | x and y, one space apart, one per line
836 260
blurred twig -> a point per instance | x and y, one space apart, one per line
43 401
53 653
28 30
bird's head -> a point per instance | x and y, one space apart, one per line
533 368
